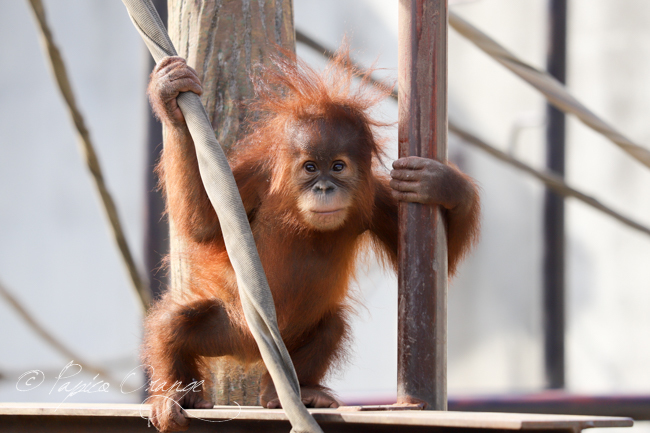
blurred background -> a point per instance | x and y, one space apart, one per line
58 260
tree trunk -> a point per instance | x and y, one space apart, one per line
224 40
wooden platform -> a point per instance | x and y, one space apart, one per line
28 417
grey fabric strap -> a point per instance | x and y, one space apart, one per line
221 188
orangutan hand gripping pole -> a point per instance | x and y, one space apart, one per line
309 176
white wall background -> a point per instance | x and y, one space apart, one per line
57 257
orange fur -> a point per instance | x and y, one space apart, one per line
308 271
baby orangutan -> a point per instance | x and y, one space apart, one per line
310 179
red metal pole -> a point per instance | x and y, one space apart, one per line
422 279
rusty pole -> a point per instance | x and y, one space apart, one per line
422 275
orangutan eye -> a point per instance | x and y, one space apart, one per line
310 167
338 166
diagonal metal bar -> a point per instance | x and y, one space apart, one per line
550 87
551 180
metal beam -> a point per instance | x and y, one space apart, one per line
633 406
422 274
554 257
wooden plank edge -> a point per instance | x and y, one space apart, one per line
486 420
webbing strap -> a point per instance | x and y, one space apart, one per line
221 188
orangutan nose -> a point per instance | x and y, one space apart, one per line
323 187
